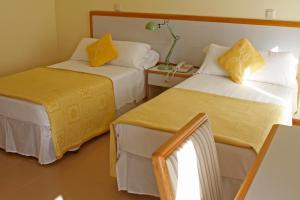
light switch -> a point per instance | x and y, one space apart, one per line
117 7
270 13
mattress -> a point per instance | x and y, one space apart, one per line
135 145
18 116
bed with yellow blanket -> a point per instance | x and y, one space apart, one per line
240 126
47 111
80 106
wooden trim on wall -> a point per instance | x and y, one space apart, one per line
262 22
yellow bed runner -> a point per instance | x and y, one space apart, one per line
79 105
234 121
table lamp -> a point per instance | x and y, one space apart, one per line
153 26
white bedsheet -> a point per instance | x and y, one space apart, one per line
250 90
136 144
128 88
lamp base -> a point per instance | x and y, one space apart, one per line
165 67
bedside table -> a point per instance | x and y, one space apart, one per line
157 80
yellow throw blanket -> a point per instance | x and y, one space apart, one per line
234 121
79 105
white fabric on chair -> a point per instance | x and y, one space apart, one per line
194 168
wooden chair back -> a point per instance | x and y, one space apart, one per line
186 166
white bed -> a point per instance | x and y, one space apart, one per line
136 144
25 127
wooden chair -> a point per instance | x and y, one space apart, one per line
186 166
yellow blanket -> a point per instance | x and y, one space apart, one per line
79 106
234 121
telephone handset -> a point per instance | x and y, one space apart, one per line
183 68
180 67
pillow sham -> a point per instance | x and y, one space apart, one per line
281 69
101 51
241 59
210 64
130 53
80 52
150 59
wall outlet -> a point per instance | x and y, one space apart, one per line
270 13
117 7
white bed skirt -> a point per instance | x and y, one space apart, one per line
135 175
134 166
30 139
27 139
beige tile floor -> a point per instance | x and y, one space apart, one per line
78 176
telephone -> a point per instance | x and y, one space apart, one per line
182 67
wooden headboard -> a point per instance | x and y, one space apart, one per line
193 18
196 32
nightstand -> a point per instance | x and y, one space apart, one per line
158 81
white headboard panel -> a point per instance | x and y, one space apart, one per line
196 34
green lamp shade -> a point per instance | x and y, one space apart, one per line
152 26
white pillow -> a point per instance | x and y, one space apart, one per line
80 53
150 59
210 65
281 69
131 54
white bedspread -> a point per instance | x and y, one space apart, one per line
128 88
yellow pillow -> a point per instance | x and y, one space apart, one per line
102 51
241 59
